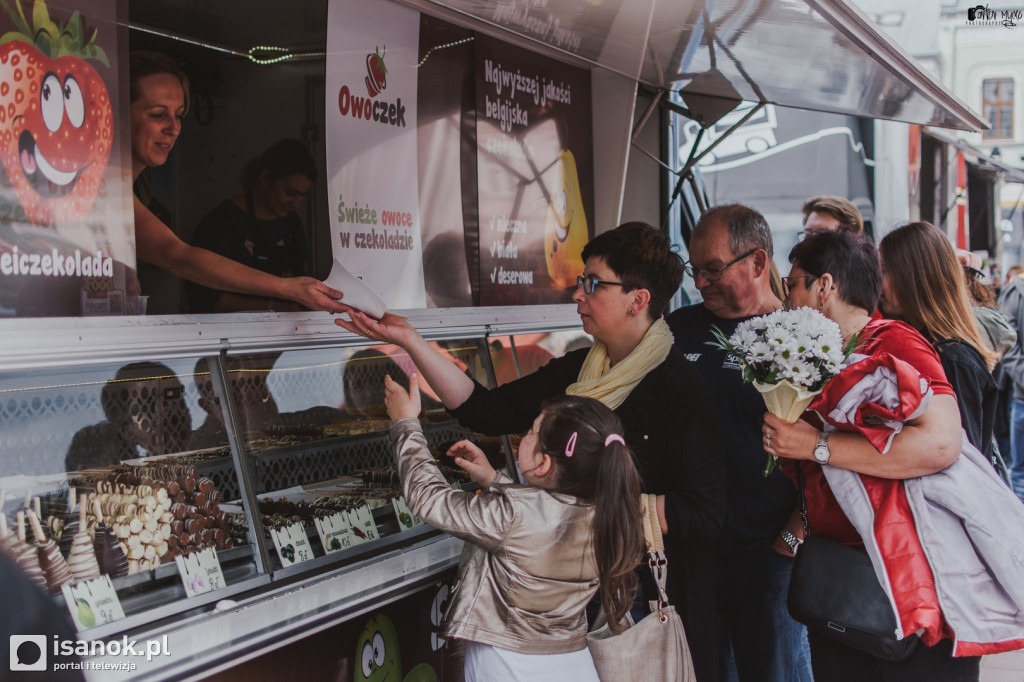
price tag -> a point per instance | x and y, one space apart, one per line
363 525
335 532
292 544
200 572
406 519
93 602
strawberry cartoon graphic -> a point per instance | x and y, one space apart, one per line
56 117
376 72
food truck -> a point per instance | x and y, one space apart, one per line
220 484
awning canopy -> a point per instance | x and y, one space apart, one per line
984 160
823 55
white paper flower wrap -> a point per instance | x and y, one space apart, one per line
785 400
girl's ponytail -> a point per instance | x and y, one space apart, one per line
619 543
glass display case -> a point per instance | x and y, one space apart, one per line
106 472
129 465
265 456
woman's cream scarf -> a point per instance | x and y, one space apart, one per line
612 385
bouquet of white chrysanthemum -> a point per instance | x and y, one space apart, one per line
789 356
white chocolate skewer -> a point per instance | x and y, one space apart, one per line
8 540
82 558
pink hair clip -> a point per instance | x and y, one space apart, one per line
571 445
613 438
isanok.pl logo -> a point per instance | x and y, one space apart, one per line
28 653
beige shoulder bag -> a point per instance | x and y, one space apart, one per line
654 649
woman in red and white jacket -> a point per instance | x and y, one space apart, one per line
915 494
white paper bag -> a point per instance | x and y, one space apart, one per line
357 293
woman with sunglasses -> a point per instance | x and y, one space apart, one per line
838 274
629 275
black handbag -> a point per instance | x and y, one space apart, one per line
834 591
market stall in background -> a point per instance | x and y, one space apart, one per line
224 481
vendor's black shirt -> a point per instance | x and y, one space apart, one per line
277 247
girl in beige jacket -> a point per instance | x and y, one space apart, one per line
536 553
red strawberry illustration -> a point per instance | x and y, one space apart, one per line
56 118
376 72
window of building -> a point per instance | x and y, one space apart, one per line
997 104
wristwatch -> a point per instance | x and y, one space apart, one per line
821 451
793 541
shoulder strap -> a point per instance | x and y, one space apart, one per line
655 549
652 527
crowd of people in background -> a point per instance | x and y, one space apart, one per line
911 298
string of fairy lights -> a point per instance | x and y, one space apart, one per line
266 55
445 46
262 55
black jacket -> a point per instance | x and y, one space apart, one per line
975 388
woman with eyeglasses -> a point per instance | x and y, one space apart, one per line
630 274
854 487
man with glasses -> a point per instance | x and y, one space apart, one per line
730 262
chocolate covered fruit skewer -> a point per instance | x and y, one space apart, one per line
55 569
111 558
37 506
26 555
50 524
82 558
55 526
8 540
70 527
